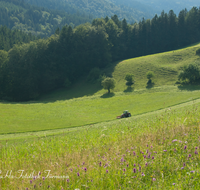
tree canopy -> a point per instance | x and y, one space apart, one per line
31 69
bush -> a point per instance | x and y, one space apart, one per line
150 75
129 78
190 73
108 83
198 52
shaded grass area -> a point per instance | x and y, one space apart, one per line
28 117
154 151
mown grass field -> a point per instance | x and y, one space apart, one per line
157 150
89 110
71 139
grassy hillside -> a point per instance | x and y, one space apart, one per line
155 151
165 66
63 109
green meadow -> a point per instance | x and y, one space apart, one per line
71 139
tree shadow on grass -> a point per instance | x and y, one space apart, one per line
189 87
129 89
108 95
149 86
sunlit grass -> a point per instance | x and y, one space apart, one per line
160 151
38 116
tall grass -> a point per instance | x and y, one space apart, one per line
155 151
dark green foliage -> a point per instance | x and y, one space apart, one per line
45 65
10 37
94 75
129 78
150 75
190 74
16 14
198 52
98 8
108 83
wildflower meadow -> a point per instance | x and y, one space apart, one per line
152 151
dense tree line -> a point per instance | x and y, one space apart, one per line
10 37
16 14
28 70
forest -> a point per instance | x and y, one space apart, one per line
8 38
43 65
132 12
16 14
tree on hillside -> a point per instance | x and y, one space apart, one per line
129 78
150 75
190 74
108 83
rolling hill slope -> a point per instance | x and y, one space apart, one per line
63 109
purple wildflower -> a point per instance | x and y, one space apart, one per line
127 165
196 152
85 169
184 164
83 163
196 148
153 179
78 174
165 150
189 155
27 188
106 171
31 181
146 164
149 156
140 168
134 170
174 150
99 163
182 168
144 156
68 180
152 157
173 183
147 151
134 165
174 140
185 147
43 178
133 153
143 174
192 171
124 169
122 159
